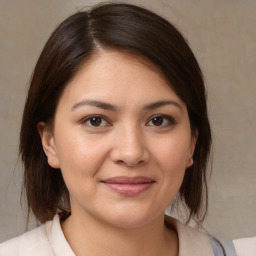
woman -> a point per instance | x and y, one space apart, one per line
114 130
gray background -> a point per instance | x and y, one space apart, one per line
221 33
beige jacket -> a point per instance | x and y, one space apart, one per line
49 240
245 246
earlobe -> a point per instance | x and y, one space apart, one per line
193 141
192 149
190 162
48 144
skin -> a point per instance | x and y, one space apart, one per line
135 136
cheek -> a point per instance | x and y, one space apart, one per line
79 156
173 154
80 162
171 157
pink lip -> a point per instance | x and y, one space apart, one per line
129 186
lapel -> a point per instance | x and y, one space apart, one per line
191 241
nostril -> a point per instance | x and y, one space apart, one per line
130 163
128 148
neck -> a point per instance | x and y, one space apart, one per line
88 236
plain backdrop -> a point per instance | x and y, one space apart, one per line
222 35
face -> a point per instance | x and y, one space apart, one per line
122 140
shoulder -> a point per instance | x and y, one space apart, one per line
245 246
34 242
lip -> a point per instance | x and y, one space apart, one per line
129 186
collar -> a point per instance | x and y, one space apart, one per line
191 241
57 239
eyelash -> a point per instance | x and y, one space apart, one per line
89 118
169 119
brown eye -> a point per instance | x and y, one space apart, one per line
95 121
157 121
161 121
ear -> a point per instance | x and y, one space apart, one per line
192 149
48 144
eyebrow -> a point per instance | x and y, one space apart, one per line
108 106
162 103
95 103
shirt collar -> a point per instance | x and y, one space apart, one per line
191 241
57 239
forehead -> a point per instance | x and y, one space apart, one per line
118 60
116 76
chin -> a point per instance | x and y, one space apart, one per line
130 219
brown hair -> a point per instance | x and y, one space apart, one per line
122 27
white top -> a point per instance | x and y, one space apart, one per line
245 246
46 240
49 240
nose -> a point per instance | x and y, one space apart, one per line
129 147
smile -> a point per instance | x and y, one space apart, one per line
128 186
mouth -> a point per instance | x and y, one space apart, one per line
129 186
